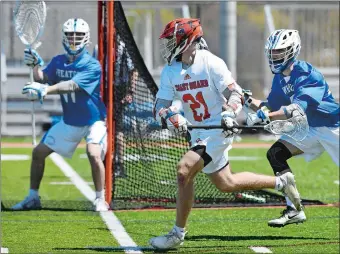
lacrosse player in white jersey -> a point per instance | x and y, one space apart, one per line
75 75
210 96
298 89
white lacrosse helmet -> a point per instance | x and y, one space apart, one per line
282 48
76 35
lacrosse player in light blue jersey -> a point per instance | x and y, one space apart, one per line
76 76
298 89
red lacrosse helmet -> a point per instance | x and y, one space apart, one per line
178 35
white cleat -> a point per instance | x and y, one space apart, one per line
289 188
100 205
29 203
289 216
170 241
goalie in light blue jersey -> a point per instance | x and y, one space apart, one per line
298 89
76 76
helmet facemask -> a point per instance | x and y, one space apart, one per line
75 41
76 36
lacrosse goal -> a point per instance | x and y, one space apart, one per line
141 158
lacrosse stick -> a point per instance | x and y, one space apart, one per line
29 21
296 127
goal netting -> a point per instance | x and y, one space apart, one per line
143 157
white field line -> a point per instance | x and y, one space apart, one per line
114 225
337 182
15 157
67 183
4 250
260 249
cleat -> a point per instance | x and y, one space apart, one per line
29 203
170 241
289 216
289 189
100 205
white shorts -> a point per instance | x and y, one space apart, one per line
64 139
317 141
217 146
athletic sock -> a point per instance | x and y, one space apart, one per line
100 194
179 231
278 184
34 193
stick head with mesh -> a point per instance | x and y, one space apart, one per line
29 20
296 127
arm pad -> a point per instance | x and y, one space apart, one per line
234 98
67 87
293 110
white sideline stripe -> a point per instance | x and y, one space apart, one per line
14 157
337 182
114 225
4 250
260 249
67 183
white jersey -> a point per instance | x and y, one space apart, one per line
199 87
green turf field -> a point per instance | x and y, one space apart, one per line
69 227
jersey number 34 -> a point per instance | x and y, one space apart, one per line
195 103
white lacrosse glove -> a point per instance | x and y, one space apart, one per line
175 122
32 58
35 91
261 116
229 124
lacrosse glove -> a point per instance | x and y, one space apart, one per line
261 116
229 124
32 58
175 122
35 91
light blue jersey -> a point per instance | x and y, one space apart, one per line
83 107
306 87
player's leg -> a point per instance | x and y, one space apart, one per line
277 155
187 168
96 149
62 139
32 200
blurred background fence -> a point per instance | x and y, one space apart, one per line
234 31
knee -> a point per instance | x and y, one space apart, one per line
277 155
38 154
94 157
182 173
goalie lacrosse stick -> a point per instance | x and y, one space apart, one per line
296 127
29 21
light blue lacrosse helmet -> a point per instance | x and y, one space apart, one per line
282 48
76 36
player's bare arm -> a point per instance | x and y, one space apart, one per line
39 75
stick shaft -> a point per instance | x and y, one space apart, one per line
34 137
210 127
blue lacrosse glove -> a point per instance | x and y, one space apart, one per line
261 116
32 58
35 91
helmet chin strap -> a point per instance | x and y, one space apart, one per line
71 58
